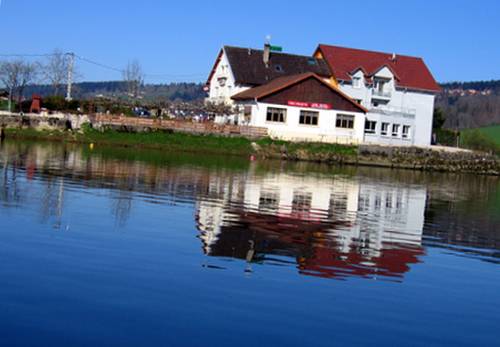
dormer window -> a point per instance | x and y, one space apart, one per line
356 82
278 68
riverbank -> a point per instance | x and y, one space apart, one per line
424 159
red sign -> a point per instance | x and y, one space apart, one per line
321 106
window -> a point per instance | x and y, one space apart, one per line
359 101
301 202
395 130
356 82
379 86
384 129
370 127
278 68
247 110
268 201
276 115
406 131
308 117
345 121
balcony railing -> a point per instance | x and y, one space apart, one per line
395 111
381 94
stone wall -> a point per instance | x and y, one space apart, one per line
429 159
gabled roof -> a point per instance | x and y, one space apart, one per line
248 66
411 72
281 83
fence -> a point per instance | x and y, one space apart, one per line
181 126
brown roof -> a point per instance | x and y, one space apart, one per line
410 72
281 83
248 65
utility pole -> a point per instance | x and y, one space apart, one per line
71 63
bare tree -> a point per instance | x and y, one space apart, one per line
29 74
134 78
16 75
9 75
55 70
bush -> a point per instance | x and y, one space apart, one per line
446 137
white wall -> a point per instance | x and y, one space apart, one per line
221 93
325 131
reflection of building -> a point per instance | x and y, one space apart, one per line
332 227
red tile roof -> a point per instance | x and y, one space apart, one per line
410 72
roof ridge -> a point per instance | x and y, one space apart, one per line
371 51
281 53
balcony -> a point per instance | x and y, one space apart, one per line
392 111
382 95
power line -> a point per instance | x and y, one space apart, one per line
99 64
105 66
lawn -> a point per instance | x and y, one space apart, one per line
493 132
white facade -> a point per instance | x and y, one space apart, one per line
393 106
223 84
326 129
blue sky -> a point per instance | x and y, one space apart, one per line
459 40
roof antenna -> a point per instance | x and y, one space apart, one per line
394 56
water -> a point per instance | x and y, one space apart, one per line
131 248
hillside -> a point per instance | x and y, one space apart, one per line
470 104
117 89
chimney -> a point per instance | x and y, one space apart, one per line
394 57
267 54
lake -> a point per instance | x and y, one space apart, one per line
144 248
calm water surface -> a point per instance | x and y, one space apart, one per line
120 247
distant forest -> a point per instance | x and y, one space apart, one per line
186 92
470 104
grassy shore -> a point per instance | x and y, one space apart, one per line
179 142
176 143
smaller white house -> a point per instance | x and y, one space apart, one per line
303 107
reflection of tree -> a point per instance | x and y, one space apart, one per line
121 205
52 201
9 189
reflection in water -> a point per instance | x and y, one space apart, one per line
331 226
374 224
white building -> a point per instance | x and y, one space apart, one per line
303 107
237 69
398 91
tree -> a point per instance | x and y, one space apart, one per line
16 75
29 74
134 78
438 119
55 71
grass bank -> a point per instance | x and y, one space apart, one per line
484 139
204 144
423 159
